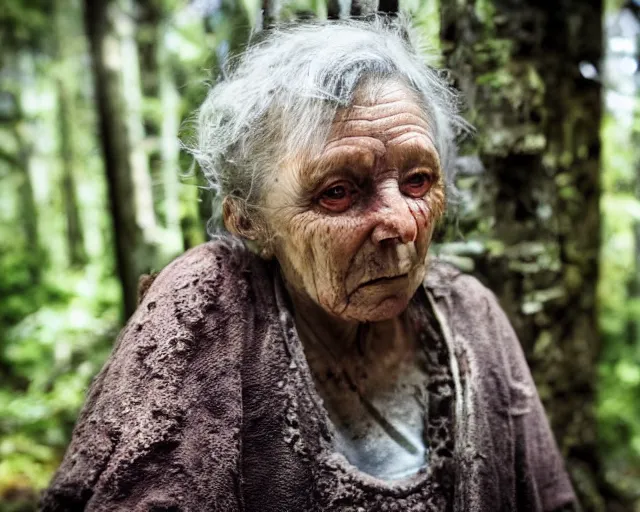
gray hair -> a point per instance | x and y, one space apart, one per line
280 96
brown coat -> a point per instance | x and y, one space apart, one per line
207 404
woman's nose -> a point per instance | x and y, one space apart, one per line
394 221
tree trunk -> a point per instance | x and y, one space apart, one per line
270 13
533 236
75 237
124 163
132 98
169 145
389 7
26 197
28 209
77 255
333 9
158 81
633 285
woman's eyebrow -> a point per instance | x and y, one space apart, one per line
358 160
412 156
354 160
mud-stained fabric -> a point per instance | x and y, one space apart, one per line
381 431
207 403
380 418
385 435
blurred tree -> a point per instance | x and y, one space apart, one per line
232 23
162 116
66 84
619 289
633 283
27 202
531 219
23 24
388 7
270 12
333 9
110 30
356 8
22 30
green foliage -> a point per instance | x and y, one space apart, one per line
23 22
57 324
55 337
619 371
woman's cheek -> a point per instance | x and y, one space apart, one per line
425 222
420 211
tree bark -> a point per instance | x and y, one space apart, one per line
122 162
533 235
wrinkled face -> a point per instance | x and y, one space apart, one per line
352 225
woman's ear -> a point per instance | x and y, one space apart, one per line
237 220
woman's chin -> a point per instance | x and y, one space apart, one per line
376 307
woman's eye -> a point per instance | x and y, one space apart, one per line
417 185
338 197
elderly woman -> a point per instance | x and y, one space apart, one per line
318 360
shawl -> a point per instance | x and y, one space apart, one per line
207 404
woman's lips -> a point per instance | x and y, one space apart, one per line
384 280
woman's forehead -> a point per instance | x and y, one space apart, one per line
387 126
392 126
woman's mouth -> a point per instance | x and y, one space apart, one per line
384 280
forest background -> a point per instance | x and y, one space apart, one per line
95 191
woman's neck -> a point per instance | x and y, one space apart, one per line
344 345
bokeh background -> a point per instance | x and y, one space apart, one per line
95 190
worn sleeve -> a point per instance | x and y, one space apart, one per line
542 482
160 429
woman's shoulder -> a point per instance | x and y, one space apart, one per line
174 373
475 314
223 259
463 289
220 275
212 283
203 291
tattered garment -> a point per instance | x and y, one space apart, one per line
383 435
207 403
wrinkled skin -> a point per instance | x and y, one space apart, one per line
351 227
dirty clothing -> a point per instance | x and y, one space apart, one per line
383 428
384 434
207 403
